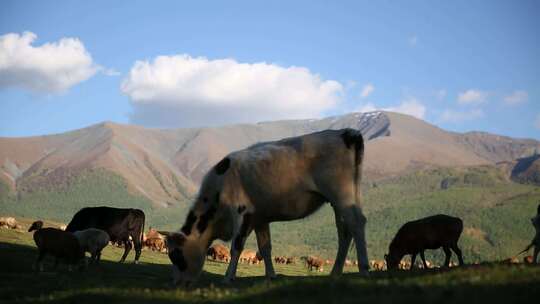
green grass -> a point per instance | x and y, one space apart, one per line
112 282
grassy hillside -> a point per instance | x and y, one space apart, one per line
495 211
88 188
112 282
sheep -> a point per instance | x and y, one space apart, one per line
92 240
58 243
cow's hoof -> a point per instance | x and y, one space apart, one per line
136 262
228 281
364 273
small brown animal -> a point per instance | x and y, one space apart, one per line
432 232
60 244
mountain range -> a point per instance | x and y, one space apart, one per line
166 165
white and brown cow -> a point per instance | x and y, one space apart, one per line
283 180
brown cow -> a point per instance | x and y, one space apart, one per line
432 232
290 260
249 256
280 259
313 262
377 265
219 252
155 244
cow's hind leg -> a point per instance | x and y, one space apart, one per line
237 246
413 260
535 254
344 242
127 248
137 244
265 249
422 255
448 255
456 249
356 223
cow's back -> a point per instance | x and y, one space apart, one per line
117 222
431 232
286 170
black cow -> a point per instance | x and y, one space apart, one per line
431 232
120 224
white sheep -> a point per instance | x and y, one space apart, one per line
93 240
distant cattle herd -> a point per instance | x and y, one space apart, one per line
244 192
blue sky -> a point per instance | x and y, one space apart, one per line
461 65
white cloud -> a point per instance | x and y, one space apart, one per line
52 67
537 122
517 97
460 116
413 40
410 106
472 97
186 91
367 90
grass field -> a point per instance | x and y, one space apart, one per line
148 282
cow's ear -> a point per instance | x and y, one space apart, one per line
223 166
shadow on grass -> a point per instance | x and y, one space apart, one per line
112 282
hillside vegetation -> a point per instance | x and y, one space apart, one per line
495 211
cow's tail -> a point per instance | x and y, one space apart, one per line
354 140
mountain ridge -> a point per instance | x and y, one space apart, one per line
166 165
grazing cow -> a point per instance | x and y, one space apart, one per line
120 224
219 252
313 262
280 259
283 180
154 240
155 244
290 260
377 265
249 256
432 232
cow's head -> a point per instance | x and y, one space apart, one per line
185 257
36 226
206 221
392 260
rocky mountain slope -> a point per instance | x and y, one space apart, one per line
166 166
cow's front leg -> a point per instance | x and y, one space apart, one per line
237 246
265 249
344 242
